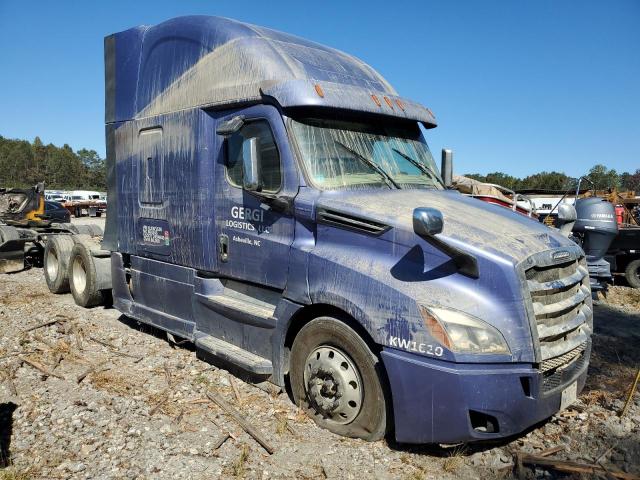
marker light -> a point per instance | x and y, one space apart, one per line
319 91
386 99
376 100
400 104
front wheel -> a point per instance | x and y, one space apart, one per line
632 273
338 381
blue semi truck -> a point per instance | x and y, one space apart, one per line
274 201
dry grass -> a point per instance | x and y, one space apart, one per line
452 464
454 459
417 474
239 466
112 382
12 474
281 427
595 397
629 297
162 400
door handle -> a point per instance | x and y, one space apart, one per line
223 247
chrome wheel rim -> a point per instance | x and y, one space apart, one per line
333 384
52 264
79 275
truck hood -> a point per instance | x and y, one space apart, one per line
467 221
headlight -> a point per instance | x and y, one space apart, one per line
462 333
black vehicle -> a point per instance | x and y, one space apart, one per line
56 212
624 254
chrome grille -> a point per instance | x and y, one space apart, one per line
561 302
565 359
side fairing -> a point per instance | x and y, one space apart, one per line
164 179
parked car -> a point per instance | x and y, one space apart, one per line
55 211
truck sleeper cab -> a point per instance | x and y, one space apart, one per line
275 202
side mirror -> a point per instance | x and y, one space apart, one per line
427 222
231 126
446 167
567 216
251 165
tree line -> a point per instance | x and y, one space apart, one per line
600 176
24 163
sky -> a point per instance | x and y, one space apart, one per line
516 86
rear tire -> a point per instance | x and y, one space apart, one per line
83 278
57 252
632 273
338 381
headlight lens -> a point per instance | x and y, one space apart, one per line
462 333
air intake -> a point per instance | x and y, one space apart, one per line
351 222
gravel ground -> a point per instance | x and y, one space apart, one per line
142 412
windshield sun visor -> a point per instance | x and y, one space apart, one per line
308 93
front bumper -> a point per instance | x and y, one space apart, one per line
442 402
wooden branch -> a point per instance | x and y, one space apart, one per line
167 374
9 377
236 392
631 392
115 350
57 360
573 467
103 343
89 370
551 451
224 430
136 358
246 426
164 397
17 354
43 324
223 438
40 367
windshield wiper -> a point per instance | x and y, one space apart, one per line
385 176
423 168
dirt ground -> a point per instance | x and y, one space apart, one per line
119 400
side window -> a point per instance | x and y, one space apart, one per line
270 173
150 177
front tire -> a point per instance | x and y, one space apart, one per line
338 381
632 273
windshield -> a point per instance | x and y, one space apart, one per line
348 155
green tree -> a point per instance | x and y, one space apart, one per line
24 164
603 178
546 181
630 181
94 168
503 180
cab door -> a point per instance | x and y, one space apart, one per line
254 231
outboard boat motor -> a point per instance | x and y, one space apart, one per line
567 217
594 230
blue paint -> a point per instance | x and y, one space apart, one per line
186 238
